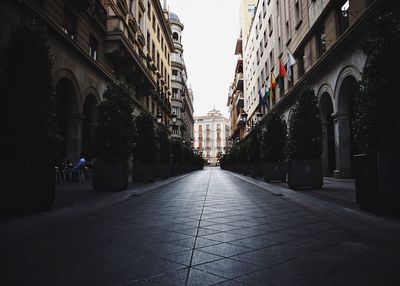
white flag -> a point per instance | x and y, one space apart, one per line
291 61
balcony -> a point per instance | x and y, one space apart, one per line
239 100
239 81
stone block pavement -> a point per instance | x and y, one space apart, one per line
210 227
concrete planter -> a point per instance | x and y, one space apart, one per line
274 171
305 173
110 176
144 173
162 170
256 169
34 184
377 182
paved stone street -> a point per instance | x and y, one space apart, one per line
209 228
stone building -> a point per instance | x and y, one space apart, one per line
182 95
324 36
236 96
211 136
95 42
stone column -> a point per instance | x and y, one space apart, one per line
342 146
325 148
74 137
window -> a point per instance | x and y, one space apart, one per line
271 60
175 94
154 23
70 24
287 30
300 64
344 19
321 42
158 33
270 27
93 47
149 10
153 51
297 13
265 38
175 36
264 9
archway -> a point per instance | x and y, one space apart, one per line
328 151
345 92
69 120
89 125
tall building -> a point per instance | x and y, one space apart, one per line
211 136
247 9
94 43
324 36
236 96
182 95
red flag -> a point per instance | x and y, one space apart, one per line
282 69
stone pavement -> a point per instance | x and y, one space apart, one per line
208 228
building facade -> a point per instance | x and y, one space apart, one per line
182 95
211 136
236 94
324 36
94 43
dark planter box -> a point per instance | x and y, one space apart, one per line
162 170
256 169
174 170
31 184
110 176
377 182
244 169
144 173
274 171
305 173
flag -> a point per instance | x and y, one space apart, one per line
282 70
281 75
273 81
290 63
263 99
266 94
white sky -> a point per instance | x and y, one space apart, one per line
209 39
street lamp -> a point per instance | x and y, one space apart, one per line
243 116
173 119
259 117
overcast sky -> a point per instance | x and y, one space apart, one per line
209 39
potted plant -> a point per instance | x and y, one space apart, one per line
145 150
242 157
304 144
114 138
164 152
254 152
376 123
30 136
273 146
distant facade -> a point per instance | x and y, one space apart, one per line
211 136
182 95
324 37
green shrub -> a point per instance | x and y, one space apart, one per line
115 131
376 121
305 132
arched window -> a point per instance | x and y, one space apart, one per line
175 36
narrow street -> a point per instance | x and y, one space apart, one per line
209 228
